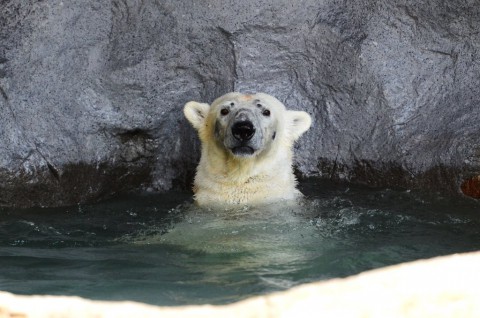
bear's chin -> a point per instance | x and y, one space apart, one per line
242 151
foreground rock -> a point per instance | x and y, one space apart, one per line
440 287
91 92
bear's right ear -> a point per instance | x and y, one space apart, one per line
300 122
196 113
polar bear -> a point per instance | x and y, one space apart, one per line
246 155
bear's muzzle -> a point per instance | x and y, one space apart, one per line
243 130
243 133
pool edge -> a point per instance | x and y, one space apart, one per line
445 286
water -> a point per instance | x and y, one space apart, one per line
160 249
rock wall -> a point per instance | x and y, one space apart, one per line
91 92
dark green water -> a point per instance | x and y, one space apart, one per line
160 250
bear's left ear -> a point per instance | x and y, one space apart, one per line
196 113
299 122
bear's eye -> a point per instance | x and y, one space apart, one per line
224 111
266 113
259 105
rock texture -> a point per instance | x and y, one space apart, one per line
441 287
91 92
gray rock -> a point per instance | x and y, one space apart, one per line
91 92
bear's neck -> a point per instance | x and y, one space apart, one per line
220 164
223 179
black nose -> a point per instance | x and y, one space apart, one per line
243 130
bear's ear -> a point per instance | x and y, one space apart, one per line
196 113
299 122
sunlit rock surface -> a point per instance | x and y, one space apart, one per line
440 287
91 92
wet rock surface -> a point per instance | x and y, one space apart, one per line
91 92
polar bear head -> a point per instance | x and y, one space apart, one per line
246 149
245 126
